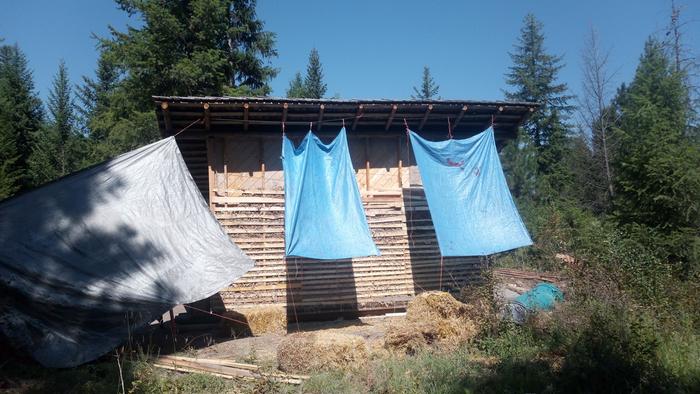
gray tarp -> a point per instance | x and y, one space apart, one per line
90 257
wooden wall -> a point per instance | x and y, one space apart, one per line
246 194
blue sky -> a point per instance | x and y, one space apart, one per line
376 49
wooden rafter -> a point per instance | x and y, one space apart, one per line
425 117
460 116
391 117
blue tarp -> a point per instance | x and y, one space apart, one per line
324 217
541 297
472 210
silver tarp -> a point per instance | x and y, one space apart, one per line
89 258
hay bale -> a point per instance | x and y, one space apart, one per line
321 351
432 318
410 337
258 321
435 305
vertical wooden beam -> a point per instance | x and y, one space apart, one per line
166 118
261 152
285 106
225 158
399 160
357 116
207 119
320 117
367 163
211 174
391 117
425 117
245 116
459 117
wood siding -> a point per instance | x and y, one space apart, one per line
246 194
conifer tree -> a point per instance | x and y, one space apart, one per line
198 47
314 87
428 88
658 182
533 77
20 118
296 87
59 148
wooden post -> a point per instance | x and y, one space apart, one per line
285 106
398 159
173 329
225 157
212 175
245 116
425 117
166 118
367 162
261 152
320 117
207 119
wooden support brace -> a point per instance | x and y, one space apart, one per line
207 117
245 116
166 118
357 116
425 117
391 117
320 117
460 116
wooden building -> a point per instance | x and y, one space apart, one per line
232 146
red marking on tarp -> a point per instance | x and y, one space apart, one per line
454 164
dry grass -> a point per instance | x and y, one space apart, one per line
260 320
321 351
433 318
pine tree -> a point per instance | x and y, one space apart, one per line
658 182
94 97
198 47
20 118
314 87
59 147
296 87
428 89
533 75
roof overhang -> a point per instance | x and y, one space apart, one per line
200 117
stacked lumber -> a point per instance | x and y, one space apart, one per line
227 369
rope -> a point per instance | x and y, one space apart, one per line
449 128
291 292
441 265
217 315
188 126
